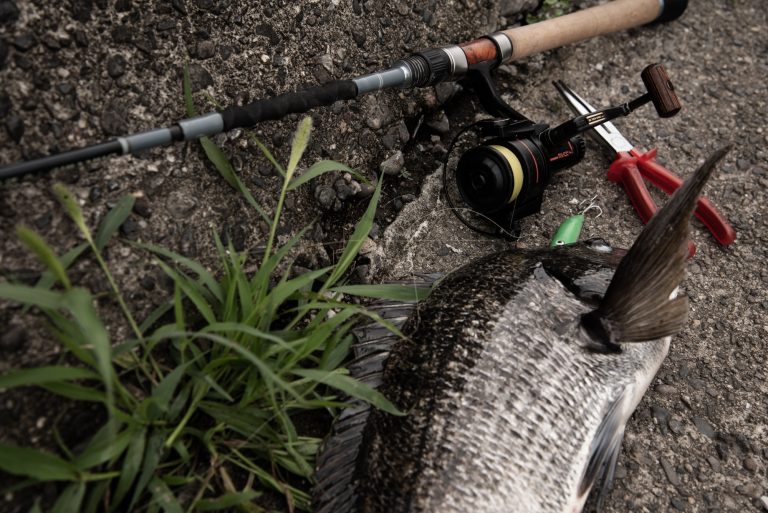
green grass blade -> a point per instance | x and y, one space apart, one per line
76 392
226 501
361 232
191 291
130 467
113 220
103 447
95 498
152 456
155 316
48 279
298 146
43 375
40 465
320 168
392 291
44 253
68 201
164 497
189 103
70 499
31 296
351 387
79 302
203 274
268 154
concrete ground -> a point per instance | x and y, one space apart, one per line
81 71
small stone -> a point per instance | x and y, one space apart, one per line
113 119
389 141
750 463
180 204
750 490
116 66
444 91
81 10
122 34
669 471
147 283
9 13
704 427
15 128
677 503
129 228
662 417
440 124
343 191
366 190
393 165
13 339
675 425
5 104
3 53
94 194
714 463
764 500
25 42
122 5
166 24
179 6
141 207
325 196
205 50
199 77
665 389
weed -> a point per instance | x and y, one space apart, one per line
549 9
202 399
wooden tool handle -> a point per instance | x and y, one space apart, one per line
661 90
580 25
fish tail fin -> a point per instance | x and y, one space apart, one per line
638 303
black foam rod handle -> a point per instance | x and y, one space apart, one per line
288 103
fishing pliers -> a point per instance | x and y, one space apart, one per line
630 166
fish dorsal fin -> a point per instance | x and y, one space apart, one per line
637 305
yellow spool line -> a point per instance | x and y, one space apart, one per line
517 170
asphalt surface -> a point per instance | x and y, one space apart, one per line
78 72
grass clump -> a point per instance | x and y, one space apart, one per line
202 398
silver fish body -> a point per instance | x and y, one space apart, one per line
517 374
504 390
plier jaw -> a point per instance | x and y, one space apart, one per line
630 166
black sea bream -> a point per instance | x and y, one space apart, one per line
518 375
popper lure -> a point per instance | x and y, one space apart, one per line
425 68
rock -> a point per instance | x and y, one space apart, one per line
3 53
439 123
9 13
141 207
13 339
113 119
116 66
122 5
205 50
147 283
377 114
179 6
5 105
366 190
343 191
444 91
753 490
129 228
199 77
669 471
15 128
325 197
122 34
704 427
662 417
180 204
677 503
393 165
235 234
764 500
25 42
750 463
81 10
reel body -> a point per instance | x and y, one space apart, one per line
504 177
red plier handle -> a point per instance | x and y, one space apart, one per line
629 169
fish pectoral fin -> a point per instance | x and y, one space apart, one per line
604 453
639 304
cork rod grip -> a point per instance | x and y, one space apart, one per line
603 19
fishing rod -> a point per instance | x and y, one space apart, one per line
426 68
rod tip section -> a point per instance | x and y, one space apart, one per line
671 10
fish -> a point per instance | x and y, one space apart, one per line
517 376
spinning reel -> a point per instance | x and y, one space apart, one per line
502 178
